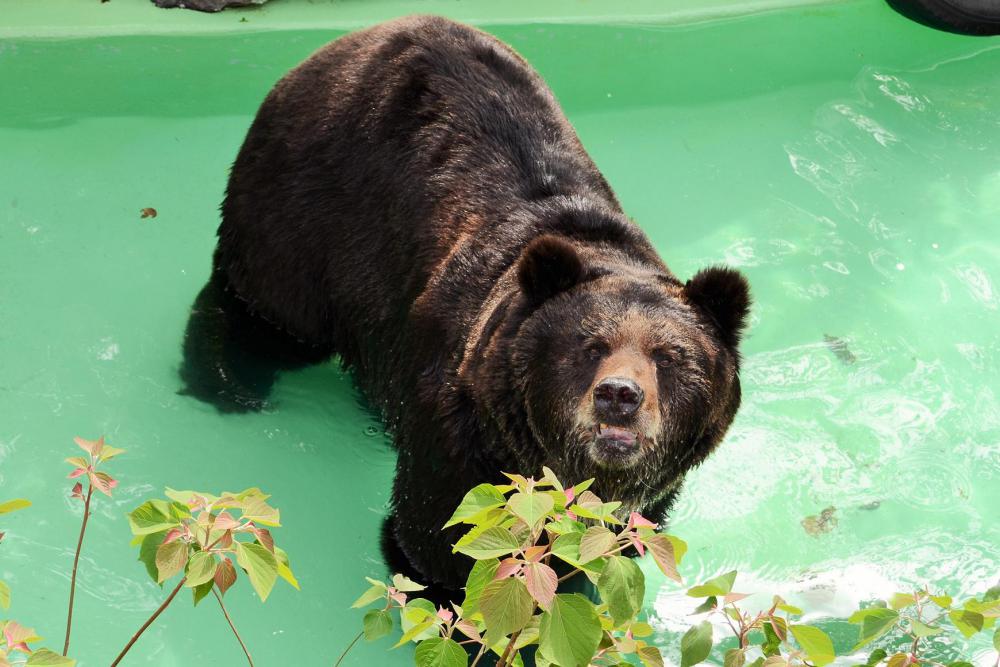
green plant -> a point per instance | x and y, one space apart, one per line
14 637
518 532
511 599
197 535
97 452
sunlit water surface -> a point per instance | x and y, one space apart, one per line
846 160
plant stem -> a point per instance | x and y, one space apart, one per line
238 638
346 650
76 562
149 621
507 656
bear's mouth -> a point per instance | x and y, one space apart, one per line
615 446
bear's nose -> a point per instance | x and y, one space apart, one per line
615 398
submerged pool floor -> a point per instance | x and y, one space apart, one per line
847 160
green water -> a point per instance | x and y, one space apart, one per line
845 159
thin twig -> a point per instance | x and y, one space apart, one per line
76 562
346 650
479 656
149 621
226 614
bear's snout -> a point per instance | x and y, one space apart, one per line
617 399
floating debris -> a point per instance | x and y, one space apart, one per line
839 348
873 505
822 523
148 212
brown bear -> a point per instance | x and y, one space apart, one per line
412 199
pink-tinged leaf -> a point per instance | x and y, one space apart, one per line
86 445
1 535
98 447
541 581
734 597
225 541
104 482
445 614
535 553
16 636
173 534
225 521
225 575
634 539
469 630
77 491
264 537
508 567
663 554
399 597
76 473
571 515
569 495
636 520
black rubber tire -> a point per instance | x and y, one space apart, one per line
966 17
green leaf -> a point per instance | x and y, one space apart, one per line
570 631
153 516
708 605
898 660
875 622
943 601
43 657
4 595
815 643
491 543
650 656
876 656
922 629
967 622
417 620
377 623
440 652
719 586
376 592
201 568
960 663
735 657
285 568
567 548
771 646
199 592
901 600
14 505
481 574
476 502
530 507
996 640
405 584
147 553
506 606
696 643
260 565
595 542
622 587
170 559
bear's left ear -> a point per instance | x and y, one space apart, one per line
724 295
549 265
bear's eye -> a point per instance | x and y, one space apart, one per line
595 350
667 355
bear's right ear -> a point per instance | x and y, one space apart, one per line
549 265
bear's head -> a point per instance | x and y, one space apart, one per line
627 375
